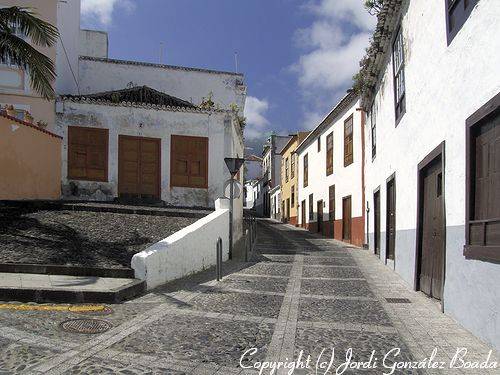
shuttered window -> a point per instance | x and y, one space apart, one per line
306 170
373 124
348 147
189 161
286 169
292 195
329 154
292 166
87 153
483 193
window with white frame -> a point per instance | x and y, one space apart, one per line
399 75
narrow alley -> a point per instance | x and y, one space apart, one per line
304 293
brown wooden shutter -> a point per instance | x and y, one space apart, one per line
189 161
306 170
88 153
329 154
348 141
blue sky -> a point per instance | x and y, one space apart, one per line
298 57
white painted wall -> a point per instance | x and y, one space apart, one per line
444 85
347 180
188 84
93 43
251 193
68 23
275 197
190 250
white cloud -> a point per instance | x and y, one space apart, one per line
333 46
103 9
257 123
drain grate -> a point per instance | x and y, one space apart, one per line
88 326
398 300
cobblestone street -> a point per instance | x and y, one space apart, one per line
304 293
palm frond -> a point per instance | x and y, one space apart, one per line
39 31
41 69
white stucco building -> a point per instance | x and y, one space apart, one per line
271 167
250 194
275 202
432 157
330 175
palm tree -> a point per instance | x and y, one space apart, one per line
18 24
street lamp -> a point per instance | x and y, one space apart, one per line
233 165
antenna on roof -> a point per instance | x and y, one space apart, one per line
161 53
236 61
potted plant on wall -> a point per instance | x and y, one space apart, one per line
28 117
9 109
41 124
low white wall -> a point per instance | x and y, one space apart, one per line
190 250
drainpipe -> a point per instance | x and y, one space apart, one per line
363 201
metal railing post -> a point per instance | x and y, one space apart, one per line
218 259
248 243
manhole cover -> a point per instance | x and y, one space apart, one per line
86 325
398 300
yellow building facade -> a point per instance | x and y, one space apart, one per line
289 173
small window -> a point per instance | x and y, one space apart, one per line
292 166
457 12
189 161
306 170
329 154
292 195
87 153
398 62
348 146
483 183
319 144
373 125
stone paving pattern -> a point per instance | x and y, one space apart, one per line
301 293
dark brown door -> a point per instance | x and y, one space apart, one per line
320 216
304 213
346 218
391 220
331 210
432 250
138 167
376 214
288 210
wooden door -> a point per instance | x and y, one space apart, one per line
432 232
391 220
303 213
331 210
288 210
138 167
376 229
346 219
320 216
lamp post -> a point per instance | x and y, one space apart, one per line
233 165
